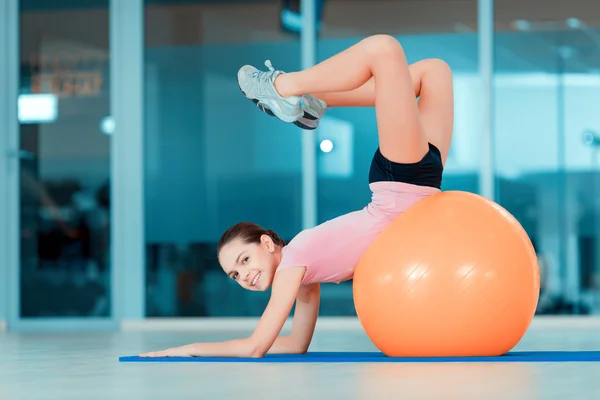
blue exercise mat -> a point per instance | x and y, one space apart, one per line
375 357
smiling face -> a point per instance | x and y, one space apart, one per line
252 265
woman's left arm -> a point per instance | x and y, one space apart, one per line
283 294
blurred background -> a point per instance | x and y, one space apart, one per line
112 209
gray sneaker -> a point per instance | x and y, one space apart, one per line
258 86
314 109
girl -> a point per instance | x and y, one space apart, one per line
414 139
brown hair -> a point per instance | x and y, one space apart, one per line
248 232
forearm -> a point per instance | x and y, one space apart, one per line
231 348
287 345
283 294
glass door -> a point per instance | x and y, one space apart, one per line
63 156
578 93
547 138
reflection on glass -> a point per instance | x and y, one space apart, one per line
65 162
211 159
547 174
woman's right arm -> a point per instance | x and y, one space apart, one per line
303 324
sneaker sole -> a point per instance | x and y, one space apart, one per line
307 121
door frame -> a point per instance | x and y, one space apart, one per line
127 263
9 241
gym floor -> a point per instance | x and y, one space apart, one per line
85 366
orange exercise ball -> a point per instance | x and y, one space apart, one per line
454 275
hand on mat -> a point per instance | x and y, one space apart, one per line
174 352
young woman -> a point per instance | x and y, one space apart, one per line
414 140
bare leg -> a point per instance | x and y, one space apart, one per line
364 96
432 83
401 133
436 106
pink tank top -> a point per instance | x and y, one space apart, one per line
331 250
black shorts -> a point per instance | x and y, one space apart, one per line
427 172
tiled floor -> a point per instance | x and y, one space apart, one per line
85 366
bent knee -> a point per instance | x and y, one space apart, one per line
437 66
384 45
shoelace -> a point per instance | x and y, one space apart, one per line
265 76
